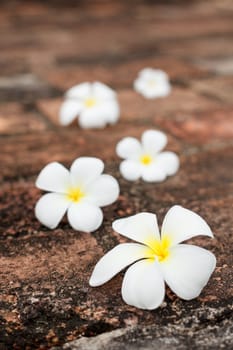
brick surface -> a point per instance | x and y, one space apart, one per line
16 119
221 88
135 108
119 74
46 47
202 127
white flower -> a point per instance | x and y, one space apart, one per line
145 159
95 103
157 259
152 83
81 192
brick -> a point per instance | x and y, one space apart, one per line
45 298
219 87
118 74
15 119
135 108
201 128
23 87
222 66
196 48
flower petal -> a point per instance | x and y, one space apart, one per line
85 217
103 91
103 191
148 73
181 224
143 285
142 227
51 208
111 111
152 88
92 118
86 169
53 177
152 83
80 91
130 170
129 147
168 161
153 173
153 141
70 109
116 260
188 270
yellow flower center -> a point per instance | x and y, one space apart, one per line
151 83
75 194
90 102
159 249
146 159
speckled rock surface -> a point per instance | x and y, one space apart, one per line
45 299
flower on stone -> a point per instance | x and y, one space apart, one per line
95 103
80 192
157 259
144 159
152 83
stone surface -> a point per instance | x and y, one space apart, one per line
18 118
46 47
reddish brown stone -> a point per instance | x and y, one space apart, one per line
136 108
121 74
15 119
220 88
45 298
201 128
197 48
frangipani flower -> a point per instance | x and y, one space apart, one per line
157 259
95 104
145 159
152 83
81 192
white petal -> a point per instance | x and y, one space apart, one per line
92 118
153 173
85 217
181 224
54 177
98 116
168 161
160 88
80 91
148 73
70 109
86 169
130 170
116 260
129 147
142 227
103 91
143 285
103 191
111 111
153 141
140 86
51 208
188 270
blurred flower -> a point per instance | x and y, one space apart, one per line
152 83
81 192
95 104
145 159
157 259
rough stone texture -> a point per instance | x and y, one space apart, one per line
46 47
